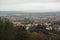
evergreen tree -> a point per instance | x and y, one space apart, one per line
6 30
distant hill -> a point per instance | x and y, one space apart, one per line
17 13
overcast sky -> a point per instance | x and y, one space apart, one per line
30 5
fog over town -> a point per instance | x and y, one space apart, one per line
29 19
